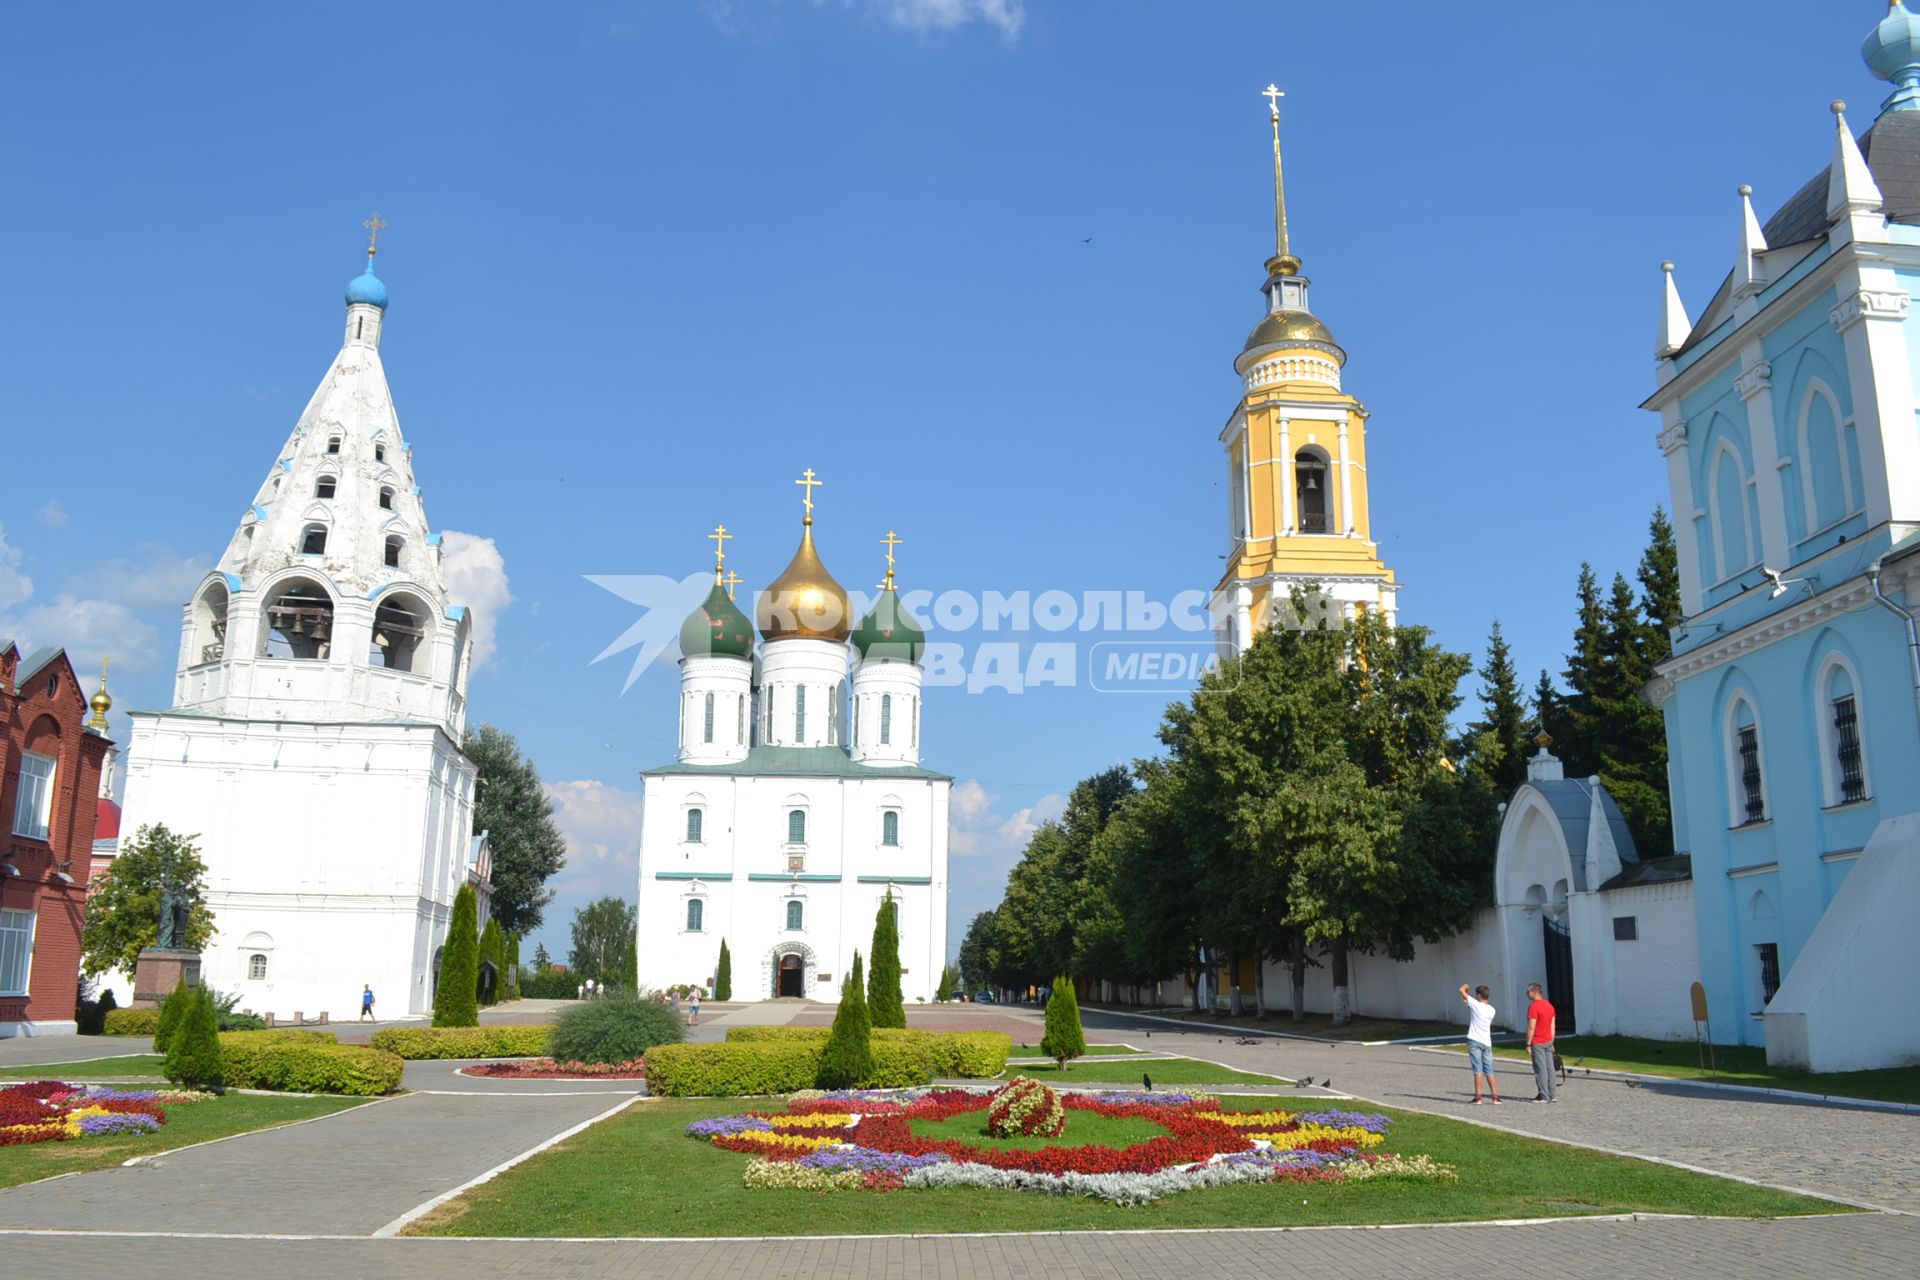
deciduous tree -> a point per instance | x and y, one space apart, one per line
123 903
513 808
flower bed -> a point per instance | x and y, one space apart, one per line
50 1111
548 1069
1024 1106
864 1140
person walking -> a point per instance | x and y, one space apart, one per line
1480 1041
693 1009
1540 1042
366 1003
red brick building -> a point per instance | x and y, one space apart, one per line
50 764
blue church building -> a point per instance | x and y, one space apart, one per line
1792 697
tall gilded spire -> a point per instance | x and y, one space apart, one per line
1283 263
891 541
101 702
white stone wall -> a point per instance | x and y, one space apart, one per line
787 666
342 844
744 834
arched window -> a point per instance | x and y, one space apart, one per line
696 915
210 623
709 719
1749 785
890 827
740 724
33 805
379 453
796 826
1310 491
696 823
1826 488
386 497
313 540
394 544
796 913
1733 538
333 444
799 713
324 486
299 621
399 632
1840 736
257 967
886 719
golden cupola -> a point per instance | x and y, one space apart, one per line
804 602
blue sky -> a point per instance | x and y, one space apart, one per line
983 264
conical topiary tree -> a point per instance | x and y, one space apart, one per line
193 1056
511 978
945 990
493 947
1065 1038
168 1020
849 1055
723 974
454 1001
885 1005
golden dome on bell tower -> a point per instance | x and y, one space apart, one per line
804 602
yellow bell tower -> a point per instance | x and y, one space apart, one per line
1296 447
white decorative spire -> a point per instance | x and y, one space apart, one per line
1674 324
1850 185
1750 273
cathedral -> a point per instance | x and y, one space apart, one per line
1296 446
313 745
797 802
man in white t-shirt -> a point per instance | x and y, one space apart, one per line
1480 1041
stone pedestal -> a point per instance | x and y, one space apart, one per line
159 970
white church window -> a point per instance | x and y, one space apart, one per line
380 453
257 967
796 914
16 951
740 723
886 719
1749 784
1767 959
394 545
299 622
399 630
709 719
333 444
324 486
796 826
210 622
890 827
313 540
33 807
696 915
386 497
799 713
1846 737
696 823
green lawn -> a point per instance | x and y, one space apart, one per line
1733 1064
187 1123
639 1174
139 1064
1093 1050
1126 1074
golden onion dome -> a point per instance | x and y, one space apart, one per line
1290 326
804 602
101 702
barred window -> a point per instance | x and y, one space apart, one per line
1846 742
1768 954
1749 743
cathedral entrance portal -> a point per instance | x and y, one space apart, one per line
792 977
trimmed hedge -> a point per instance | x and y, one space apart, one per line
416 1043
737 1069
970 1055
131 1022
302 1062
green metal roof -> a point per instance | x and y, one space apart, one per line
800 762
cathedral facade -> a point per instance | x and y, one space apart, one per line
797 803
313 746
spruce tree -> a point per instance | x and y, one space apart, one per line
172 1009
723 974
1498 740
945 991
193 1056
1549 708
848 1058
493 948
1659 576
454 1003
885 1003
1585 671
1065 1037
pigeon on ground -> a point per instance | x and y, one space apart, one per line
1306 1082
1327 1083
1147 1080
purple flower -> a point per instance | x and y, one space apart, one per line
118 1122
865 1160
726 1125
1138 1097
1371 1121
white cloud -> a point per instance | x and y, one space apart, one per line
979 828
53 514
153 575
87 627
476 578
1005 16
15 586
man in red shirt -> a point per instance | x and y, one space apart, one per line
1540 1042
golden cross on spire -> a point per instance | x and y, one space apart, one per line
719 538
1283 262
810 484
374 225
731 581
891 541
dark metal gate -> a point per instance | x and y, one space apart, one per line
1559 973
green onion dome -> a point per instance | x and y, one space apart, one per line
717 628
888 633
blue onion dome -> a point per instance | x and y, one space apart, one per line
888 633
367 288
1894 44
717 628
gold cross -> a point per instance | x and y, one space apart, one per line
891 541
732 580
374 225
719 538
103 671
1273 93
810 484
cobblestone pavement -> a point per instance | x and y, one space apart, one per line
22 1051
1860 1155
1866 1246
